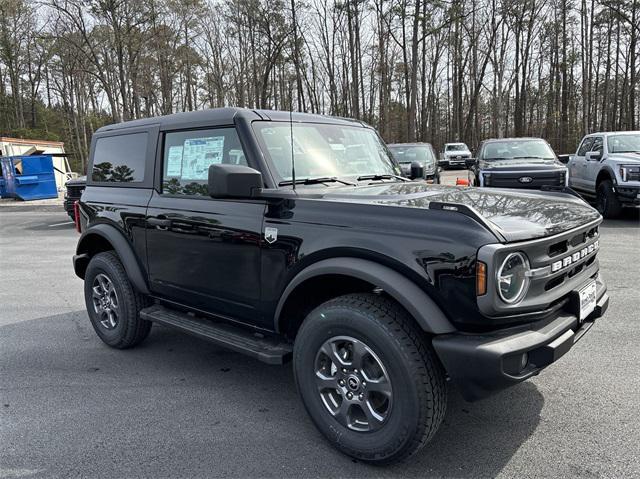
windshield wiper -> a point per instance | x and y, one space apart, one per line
626 151
381 177
315 181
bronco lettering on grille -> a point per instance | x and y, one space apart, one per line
575 257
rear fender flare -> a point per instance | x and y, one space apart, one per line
121 246
418 303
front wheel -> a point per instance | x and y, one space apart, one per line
607 201
368 378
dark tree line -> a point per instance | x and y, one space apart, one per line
418 71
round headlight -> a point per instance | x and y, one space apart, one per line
512 278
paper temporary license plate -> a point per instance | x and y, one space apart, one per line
587 300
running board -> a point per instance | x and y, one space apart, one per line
265 349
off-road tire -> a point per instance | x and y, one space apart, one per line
130 330
607 202
416 375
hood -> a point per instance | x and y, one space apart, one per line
514 164
625 157
516 214
80 180
427 165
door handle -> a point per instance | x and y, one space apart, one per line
161 223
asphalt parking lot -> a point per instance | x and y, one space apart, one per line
179 407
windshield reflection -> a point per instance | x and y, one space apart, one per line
323 150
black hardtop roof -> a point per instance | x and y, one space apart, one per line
227 115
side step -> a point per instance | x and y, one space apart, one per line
265 349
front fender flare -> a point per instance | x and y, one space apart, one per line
122 248
418 303
609 170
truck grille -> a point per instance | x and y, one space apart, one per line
525 179
561 248
559 266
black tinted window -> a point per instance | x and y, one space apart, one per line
188 155
120 158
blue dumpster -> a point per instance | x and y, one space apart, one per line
28 177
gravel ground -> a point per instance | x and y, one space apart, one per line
180 407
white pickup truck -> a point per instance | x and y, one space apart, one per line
607 167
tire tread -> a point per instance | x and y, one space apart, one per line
136 329
424 366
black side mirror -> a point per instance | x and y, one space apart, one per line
417 170
564 159
234 181
593 155
470 162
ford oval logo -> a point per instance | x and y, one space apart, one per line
525 179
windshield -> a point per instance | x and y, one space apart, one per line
505 150
624 143
324 150
456 147
408 154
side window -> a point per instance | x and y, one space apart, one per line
597 144
120 159
187 156
586 145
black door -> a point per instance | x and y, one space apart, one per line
202 252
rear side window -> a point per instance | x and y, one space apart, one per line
120 159
188 154
586 144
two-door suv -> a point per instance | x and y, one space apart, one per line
289 236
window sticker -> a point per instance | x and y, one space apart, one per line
200 153
174 161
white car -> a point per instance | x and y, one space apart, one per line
455 155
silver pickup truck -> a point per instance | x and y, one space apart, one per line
607 167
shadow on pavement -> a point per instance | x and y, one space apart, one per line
628 217
178 406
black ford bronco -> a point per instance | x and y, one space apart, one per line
294 237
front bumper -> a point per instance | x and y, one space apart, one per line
455 161
628 195
481 364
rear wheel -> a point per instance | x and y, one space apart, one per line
369 380
112 303
607 201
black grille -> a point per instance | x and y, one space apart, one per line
525 180
563 246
